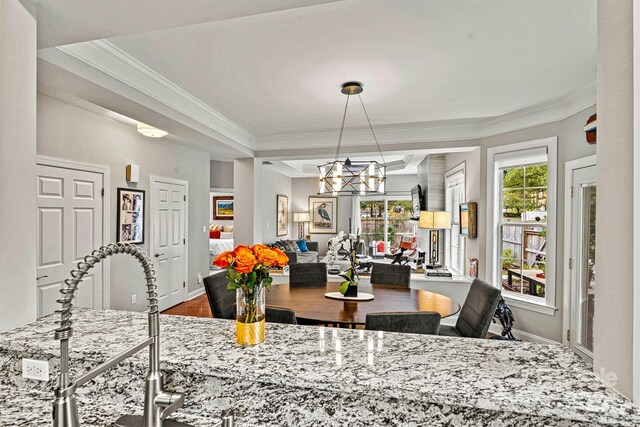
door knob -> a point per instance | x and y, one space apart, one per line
157 254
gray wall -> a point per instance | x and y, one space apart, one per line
613 323
571 145
274 183
17 165
69 132
221 174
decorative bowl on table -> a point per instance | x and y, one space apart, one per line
334 269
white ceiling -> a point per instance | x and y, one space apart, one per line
420 60
265 75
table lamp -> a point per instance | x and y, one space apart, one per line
301 218
434 221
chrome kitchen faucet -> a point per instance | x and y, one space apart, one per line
158 403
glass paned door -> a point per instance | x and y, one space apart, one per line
587 269
583 261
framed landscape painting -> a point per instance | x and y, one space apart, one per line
130 216
223 207
282 214
324 215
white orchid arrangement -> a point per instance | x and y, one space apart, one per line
342 241
348 242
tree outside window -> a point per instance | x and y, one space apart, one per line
523 229
386 221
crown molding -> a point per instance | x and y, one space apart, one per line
96 59
107 59
444 130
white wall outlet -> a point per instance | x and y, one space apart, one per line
204 228
35 369
133 299
199 278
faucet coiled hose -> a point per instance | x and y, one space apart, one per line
65 331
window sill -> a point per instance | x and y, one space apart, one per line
527 304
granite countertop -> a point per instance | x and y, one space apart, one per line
506 381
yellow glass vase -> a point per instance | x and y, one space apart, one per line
250 316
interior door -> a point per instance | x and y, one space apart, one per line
169 241
583 261
69 227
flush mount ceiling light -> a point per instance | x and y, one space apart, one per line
150 131
351 177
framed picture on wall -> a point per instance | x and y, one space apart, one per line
468 220
324 215
130 216
282 214
223 207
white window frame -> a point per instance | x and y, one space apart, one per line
455 176
494 212
385 198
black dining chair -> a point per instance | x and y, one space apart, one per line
220 299
308 275
477 312
391 274
421 322
281 315
277 315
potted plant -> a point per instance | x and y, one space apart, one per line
248 275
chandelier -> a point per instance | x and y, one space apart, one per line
353 177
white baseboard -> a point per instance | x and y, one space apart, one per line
195 293
496 328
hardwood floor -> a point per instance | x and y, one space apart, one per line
197 307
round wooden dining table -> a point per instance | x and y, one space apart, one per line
311 304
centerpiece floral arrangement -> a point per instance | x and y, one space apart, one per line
248 275
348 243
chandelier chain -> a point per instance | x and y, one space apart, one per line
371 127
344 117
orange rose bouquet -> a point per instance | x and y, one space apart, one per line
248 271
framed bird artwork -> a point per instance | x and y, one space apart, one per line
324 215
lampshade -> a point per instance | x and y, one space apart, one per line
301 217
435 220
150 131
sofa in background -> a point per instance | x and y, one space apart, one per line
300 257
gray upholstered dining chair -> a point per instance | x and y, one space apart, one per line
308 275
220 299
391 274
411 322
477 312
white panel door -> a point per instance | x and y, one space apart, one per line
169 241
69 227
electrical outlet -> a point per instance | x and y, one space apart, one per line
133 299
35 369
199 278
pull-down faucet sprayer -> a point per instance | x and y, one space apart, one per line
158 403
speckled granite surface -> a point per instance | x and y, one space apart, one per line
295 378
